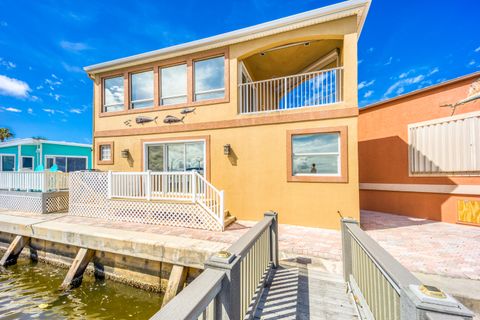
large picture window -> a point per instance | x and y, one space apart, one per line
66 164
317 155
7 162
141 95
173 85
209 78
113 94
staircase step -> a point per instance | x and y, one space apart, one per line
229 219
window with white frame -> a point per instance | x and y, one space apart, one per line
7 162
173 84
66 164
27 163
445 146
105 152
141 86
113 94
176 156
316 154
209 77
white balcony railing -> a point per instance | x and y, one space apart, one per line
291 92
33 181
178 186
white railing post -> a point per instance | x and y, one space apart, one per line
109 185
149 185
194 186
285 84
222 209
44 179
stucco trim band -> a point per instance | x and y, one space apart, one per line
424 188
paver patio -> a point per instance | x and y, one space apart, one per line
421 245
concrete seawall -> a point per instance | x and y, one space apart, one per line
140 259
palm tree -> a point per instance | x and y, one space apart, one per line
5 134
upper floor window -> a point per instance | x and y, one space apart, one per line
209 77
141 90
113 94
173 85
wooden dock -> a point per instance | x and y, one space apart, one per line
305 292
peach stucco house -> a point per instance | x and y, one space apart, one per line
419 153
267 114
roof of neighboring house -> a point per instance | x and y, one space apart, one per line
422 90
324 14
26 141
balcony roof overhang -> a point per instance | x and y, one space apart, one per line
358 8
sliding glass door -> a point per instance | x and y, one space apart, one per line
176 156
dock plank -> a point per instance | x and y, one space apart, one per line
305 293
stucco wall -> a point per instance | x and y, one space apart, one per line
383 152
255 178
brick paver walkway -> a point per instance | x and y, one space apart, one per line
420 245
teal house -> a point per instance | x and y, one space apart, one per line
38 155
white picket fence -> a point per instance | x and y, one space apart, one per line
177 186
33 181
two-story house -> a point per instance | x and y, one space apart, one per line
266 113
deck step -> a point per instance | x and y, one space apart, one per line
229 219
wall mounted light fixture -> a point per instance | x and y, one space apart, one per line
125 153
226 149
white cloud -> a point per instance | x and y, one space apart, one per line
360 61
71 68
365 84
40 87
433 71
389 61
399 86
10 109
13 87
30 110
54 96
368 93
7 64
477 50
78 110
51 111
370 49
74 46
472 62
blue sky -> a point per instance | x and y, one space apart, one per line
44 45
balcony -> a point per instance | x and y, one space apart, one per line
310 89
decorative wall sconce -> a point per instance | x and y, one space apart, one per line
227 149
125 153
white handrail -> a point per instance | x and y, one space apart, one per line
179 186
295 91
33 181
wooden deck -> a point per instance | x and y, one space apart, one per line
305 292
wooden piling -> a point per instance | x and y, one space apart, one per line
13 251
176 281
79 264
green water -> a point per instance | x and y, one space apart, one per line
30 291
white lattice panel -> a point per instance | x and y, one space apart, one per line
56 203
21 203
89 198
